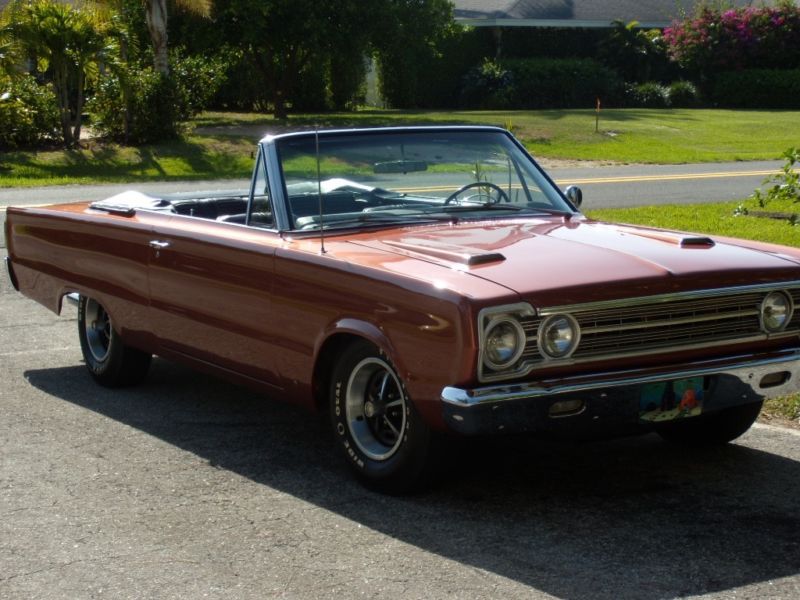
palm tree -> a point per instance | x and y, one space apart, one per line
67 42
155 12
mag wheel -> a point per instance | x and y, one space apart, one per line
714 429
109 360
375 423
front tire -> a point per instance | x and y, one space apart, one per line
712 430
375 423
110 361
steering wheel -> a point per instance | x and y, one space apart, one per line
501 195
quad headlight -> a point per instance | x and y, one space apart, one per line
503 342
776 312
558 336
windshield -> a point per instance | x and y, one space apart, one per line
403 177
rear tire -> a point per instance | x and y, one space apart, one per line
712 430
375 424
110 361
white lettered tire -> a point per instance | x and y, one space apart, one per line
375 424
110 361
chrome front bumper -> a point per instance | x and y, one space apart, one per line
613 398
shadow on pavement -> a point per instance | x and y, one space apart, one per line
631 518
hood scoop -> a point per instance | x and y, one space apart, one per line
469 257
684 241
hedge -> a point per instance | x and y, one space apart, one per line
757 88
541 83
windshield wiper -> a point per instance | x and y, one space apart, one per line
473 207
339 221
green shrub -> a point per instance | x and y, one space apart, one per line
757 88
441 77
28 113
488 87
648 95
783 186
139 107
245 88
560 83
197 79
683 94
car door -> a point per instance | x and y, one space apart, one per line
211 287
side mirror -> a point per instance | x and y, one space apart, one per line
574 195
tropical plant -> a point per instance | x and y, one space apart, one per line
783 186
67 42
156 19
632 51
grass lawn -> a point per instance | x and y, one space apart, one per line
193 157
719 219
664 136
221 148
715 219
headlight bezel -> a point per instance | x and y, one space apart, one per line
490 317
542 332
521 338
763 317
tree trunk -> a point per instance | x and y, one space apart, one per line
62 93
76 132
156 17
279 105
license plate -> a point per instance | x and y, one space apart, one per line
670 400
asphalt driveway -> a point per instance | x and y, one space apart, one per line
188 487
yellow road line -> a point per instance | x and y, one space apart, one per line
674 177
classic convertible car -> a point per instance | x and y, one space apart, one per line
416 282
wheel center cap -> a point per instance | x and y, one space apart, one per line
370 409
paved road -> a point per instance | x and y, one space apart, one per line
637 185
188 487
607 186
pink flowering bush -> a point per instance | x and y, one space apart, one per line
737 38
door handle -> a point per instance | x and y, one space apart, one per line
158 246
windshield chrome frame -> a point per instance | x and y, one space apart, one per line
270 146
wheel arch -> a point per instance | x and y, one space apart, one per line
343 333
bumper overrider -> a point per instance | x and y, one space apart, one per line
611 402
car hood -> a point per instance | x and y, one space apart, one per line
562 261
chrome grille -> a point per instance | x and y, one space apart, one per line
675 324
659 324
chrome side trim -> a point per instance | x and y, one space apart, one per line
661 298
748 368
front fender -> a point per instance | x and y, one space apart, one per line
366 330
